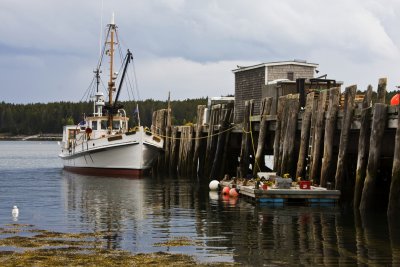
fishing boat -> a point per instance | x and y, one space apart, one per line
103 143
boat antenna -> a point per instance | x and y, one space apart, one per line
101 28
97 72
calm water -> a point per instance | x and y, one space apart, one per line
143 212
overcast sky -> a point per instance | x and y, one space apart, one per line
49 48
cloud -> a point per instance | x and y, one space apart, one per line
192 46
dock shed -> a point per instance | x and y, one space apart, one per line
251 82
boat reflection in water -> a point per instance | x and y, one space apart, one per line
140 213
105 204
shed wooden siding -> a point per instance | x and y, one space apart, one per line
248 85
281 71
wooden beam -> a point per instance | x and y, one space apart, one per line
350 94
363 147
305 135
330 128
378 128
318 134
264 111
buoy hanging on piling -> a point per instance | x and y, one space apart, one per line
213 185
225 191
395 100
233 192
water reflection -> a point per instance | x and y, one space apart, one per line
139 213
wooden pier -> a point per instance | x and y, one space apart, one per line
345 139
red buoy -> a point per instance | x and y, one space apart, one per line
233 192
395 100
225 190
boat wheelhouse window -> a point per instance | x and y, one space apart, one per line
104 125
94 125
116 125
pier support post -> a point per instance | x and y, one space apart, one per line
317 136
378 128
278 130
265 109
394 194
305 135
288 158
363 146
349 96
174 149
185 149
211 139
245 147
382 90
198 156
330 127
217 168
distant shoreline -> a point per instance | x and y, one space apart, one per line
36 137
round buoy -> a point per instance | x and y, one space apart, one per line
213 195
233 192
395 100
213 185
225 198
225 191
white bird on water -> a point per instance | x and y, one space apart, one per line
15 211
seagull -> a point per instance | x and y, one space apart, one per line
15 211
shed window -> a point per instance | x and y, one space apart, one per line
290 76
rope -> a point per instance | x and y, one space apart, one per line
190 138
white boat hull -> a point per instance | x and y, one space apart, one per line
117 154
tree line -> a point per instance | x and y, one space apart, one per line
29 119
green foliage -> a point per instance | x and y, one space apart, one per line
51 117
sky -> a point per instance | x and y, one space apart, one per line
49 48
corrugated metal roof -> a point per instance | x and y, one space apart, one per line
277 63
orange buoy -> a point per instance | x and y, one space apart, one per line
233 192
395 100
225 190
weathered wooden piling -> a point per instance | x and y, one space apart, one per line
394 194
159 127
330 127
317 136
174 149
305 135
167 139
185 149
382 91
284 125
245 147
211 138
198 154
278 130
378 127
348 112
288 157
265 110
363 147
218 168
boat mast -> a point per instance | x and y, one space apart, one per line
111 84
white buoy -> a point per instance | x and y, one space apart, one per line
15 211
213 195
214 185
